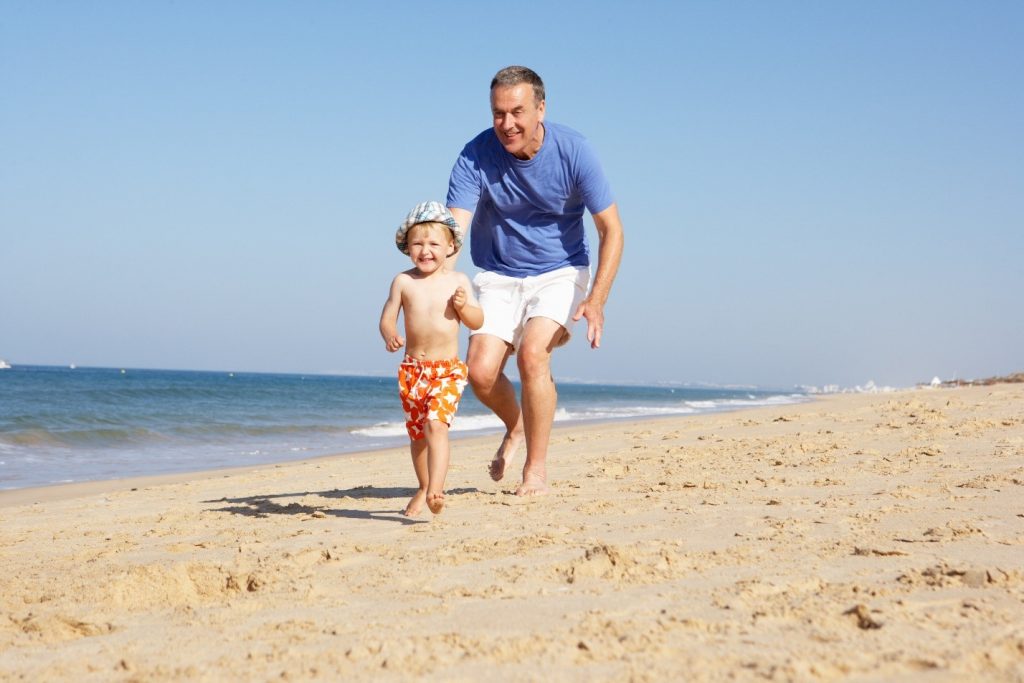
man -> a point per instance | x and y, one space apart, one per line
520 190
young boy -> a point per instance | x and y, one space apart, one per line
431 378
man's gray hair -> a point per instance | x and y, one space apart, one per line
514 75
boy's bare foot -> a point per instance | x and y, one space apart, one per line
533 485
506 452
435 501
415 505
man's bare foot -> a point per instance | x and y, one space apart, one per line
533 485
435 501
506 452
415 505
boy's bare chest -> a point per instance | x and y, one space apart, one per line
430 296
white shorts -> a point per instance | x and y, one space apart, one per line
509 302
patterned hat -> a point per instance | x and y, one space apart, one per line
428 212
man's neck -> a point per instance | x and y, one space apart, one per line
534 148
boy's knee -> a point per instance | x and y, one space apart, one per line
434 428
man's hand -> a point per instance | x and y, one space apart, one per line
594 313
609 232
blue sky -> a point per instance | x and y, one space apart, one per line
813 193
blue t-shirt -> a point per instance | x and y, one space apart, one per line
528 215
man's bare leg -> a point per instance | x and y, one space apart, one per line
438 456
418 450
486 360
540 398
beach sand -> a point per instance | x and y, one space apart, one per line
857 537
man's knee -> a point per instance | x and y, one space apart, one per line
541 338
484 370
534 361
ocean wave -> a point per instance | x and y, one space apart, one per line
117 437
33 438
750 402
469 423
57 423
462 423
103 433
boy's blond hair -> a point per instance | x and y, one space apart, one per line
434 225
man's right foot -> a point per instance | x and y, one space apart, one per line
533 485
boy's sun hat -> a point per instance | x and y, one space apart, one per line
428 212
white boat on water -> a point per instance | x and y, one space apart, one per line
4 365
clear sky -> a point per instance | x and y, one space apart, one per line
813 192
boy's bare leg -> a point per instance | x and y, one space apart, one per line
418 449
438 456
486 359
540 397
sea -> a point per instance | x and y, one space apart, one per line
75 424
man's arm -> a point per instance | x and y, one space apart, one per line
609 254
463 218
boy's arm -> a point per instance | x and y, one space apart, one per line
466 306
389 317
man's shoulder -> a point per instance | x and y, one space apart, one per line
566 138
485 139
564 131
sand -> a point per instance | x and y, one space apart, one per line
857 537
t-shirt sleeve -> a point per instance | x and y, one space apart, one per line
464 182
593 184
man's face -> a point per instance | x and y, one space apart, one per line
517 119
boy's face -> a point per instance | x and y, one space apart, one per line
429 245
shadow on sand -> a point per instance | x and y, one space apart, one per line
270 504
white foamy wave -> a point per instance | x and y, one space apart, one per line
463 423
623 412
732 403
470 423
683 408
381 429
701 405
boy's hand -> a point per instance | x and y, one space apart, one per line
459 298
394 342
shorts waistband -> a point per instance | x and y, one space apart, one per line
444 363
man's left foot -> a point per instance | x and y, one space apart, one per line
435 501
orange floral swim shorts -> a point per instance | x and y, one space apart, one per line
430 390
